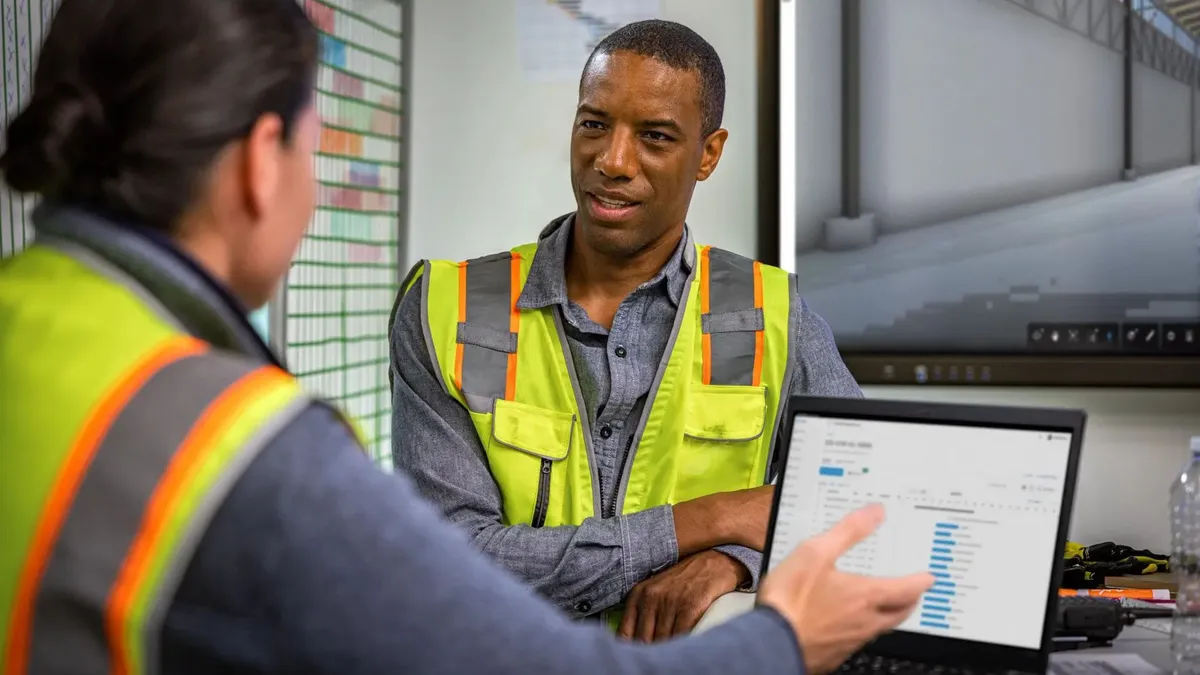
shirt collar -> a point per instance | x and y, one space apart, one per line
546 284
183 289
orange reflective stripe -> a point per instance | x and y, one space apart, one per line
220 415
705 338
213 423
759 334
514 325
66 485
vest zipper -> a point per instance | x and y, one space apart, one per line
611 511
543 496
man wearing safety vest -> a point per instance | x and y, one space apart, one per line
599 409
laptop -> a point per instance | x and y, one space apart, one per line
980 496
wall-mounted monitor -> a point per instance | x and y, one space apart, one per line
989 191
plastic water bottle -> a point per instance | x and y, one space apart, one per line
1185 561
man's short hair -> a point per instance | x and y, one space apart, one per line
677 46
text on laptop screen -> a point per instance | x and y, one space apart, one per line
977 507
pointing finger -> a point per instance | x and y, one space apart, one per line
851 530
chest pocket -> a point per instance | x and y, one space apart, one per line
525 452
722 439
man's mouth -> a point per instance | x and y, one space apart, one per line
612 203
609 209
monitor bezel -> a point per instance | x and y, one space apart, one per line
876 367
942 650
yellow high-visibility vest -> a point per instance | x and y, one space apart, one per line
709 424
120 436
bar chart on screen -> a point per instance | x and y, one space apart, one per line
960 502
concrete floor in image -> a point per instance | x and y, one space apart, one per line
1128 251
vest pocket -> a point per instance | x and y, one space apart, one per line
723 437
527 441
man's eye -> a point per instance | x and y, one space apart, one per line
591 124
657 136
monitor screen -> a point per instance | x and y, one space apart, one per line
972 505
993 176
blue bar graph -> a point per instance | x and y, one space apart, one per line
940 553
934 607
935 624
931 615
832 471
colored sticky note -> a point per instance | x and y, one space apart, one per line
362 173
334 51
350 225
364 253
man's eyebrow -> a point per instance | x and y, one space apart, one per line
590 110
664 124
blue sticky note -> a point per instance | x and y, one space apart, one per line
334 51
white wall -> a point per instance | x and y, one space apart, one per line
1134 444
489 150
819 117
1161 109
969 106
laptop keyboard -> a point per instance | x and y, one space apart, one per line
864 664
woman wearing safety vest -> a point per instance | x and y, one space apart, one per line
170 500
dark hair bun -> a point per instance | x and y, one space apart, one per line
52 138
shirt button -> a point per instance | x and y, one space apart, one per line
605 431
583 607
620 352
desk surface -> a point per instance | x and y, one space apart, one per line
1150 645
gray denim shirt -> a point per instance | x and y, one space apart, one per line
587 568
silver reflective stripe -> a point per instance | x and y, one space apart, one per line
482 336
732 321
488 296
107 512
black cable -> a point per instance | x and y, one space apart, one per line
1134 613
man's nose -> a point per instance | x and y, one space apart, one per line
619 161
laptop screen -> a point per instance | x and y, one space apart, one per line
978 507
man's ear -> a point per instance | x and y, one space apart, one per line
714 145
